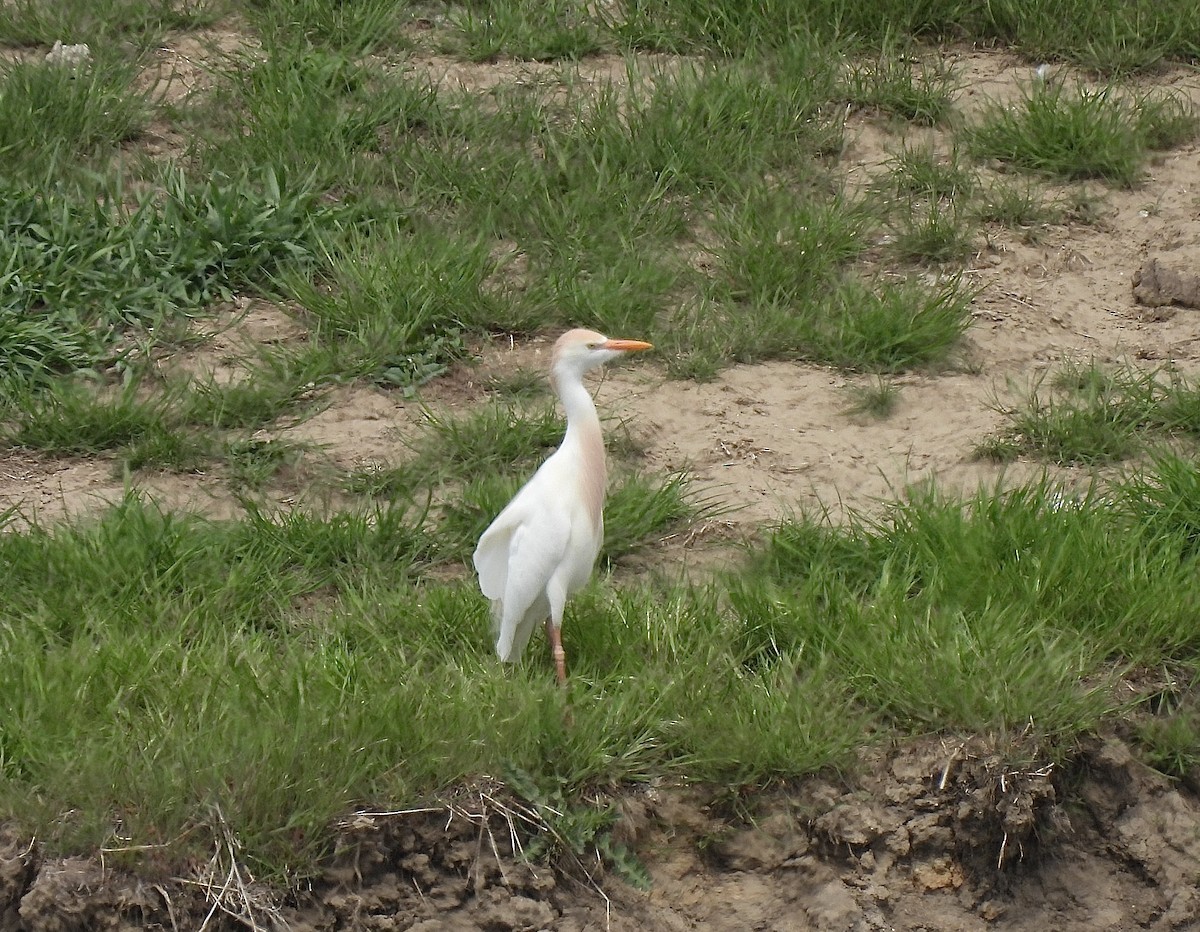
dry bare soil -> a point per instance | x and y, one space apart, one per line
934 834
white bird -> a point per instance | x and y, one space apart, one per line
541 548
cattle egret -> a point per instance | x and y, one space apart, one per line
541 548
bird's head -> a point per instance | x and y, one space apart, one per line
580 351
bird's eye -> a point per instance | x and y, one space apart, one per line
593 345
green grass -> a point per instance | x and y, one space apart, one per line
932 232
525 29
254 462
355 28
1017 204
249 641
1092 415
860 325
1165 121
781 249
489 440
1112 36
877 399
891 327
1038 588
395 303
280 384
704 125
1170 740
100 22
1165 496
53 118
83 271
179 425
71 419
922 94
308 111
1077 132
518 384
927 194
642 509
921 170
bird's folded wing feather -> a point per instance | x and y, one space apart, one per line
525 534
516 558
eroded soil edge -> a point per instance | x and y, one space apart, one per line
931 835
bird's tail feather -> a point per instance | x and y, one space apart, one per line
513 635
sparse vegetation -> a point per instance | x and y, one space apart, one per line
923 171
1017 204
920 93
932 232
1092 414
877 399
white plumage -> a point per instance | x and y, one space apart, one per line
541 548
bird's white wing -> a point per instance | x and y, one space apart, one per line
534 556
516 558
493 552
538 504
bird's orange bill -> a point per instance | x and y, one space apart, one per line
627 346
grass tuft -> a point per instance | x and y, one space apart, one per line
100 23
1169 742
79 272
1017 205
1079 133
891 327
526 29
394 304
922 94
932 232
1094 415
781 249
877 399
54 117
883 327
922 170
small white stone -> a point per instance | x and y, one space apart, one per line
72 55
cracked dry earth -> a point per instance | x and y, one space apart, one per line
931 834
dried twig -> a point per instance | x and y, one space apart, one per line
237 895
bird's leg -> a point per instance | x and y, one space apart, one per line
556 650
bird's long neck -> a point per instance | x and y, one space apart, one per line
583 434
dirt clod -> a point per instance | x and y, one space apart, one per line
1156 285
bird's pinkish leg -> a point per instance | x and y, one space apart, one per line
556 650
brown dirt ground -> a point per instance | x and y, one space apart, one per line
934 834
